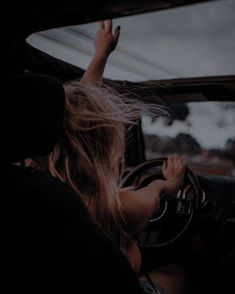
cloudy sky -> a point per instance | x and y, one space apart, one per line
211 123
188 41
194 40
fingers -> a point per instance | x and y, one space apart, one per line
117 33
174 163
106 25
176 158
106 38
109 25
102 25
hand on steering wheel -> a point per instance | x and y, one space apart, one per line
173 170
175 214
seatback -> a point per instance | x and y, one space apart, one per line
48 240
50 243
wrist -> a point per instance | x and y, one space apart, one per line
101 56
159 185
172 186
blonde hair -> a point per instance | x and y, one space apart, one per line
90 153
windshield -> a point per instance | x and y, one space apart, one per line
187 41
204 132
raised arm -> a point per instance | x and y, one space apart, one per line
105 42
140 206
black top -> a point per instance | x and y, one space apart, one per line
48 241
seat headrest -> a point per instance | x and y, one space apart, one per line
32 113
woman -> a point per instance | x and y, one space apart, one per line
90 154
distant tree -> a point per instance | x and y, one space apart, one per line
179 112
230 149
227 153
152 142
182 143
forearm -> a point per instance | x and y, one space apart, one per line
95 71
139 206
105 42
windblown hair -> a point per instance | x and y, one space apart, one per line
90 153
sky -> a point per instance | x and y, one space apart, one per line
188 41
211 123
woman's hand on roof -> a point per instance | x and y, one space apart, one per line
106 38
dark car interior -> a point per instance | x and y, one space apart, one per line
197 228
46 244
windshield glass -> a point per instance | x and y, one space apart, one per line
204 132
187 41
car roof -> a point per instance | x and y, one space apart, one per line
104 9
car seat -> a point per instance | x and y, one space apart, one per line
48 240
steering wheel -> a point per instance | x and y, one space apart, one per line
174 215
